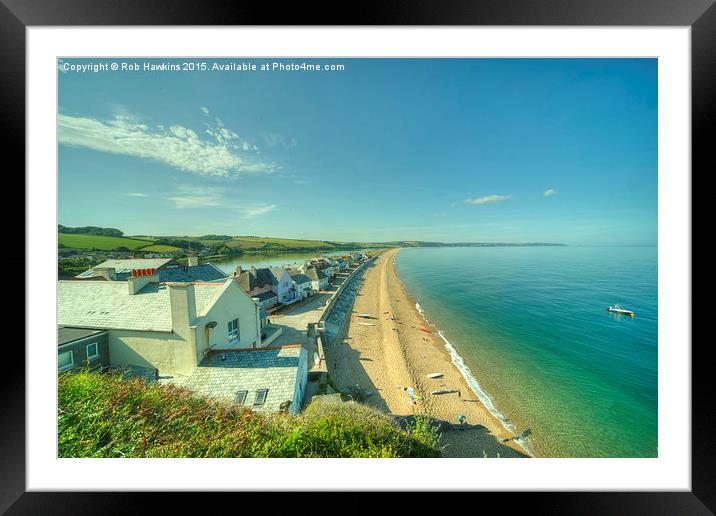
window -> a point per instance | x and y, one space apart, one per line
240 397
261 396
92 351
233 330
65 360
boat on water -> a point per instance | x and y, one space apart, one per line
619 310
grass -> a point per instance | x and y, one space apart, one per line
159 248
107 243
102 415
251 242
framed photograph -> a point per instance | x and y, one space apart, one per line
411 251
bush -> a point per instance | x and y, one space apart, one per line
103 415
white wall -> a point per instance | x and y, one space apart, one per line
162 350
232 303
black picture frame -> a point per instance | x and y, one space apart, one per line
700 15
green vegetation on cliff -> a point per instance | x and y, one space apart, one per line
103 415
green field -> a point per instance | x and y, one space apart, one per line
159 248
107 243
250 242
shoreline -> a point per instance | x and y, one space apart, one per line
486 401
388 353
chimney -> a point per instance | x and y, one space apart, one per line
138 281
193 261
105 272
183 307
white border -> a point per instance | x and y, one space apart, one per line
670 471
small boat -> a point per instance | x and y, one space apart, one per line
619 310
435 375
366 324
365 316
443 391
425 330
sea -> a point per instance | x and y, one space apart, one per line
530 330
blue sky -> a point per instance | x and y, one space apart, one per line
480 150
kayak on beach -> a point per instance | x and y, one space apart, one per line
435 375
425 330
443 391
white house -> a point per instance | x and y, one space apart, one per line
301 283
282 285
319 280
167 326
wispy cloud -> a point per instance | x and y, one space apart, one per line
550 192
251 212
188 197
137 194
196 197
205 110
486 199
177 146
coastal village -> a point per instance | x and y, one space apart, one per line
253 336
330 329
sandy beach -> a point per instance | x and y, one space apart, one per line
387 352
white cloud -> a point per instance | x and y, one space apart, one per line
550 192
186 197
260 209
137 194
177 146
486 199
205 110
196 197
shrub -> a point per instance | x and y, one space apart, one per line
103 415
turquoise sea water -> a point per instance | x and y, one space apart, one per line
531 325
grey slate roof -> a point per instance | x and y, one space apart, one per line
300 278
126 266
67 334
249 370
265 296
265 277
277 272
108 304
203 272
247 280
315 273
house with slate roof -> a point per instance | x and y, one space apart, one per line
319 280
268 380
266 300
167 270
167 326
283 286
301 283
82 347
274 279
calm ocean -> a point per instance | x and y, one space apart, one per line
531 325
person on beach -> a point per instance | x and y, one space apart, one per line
458 393
461 421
